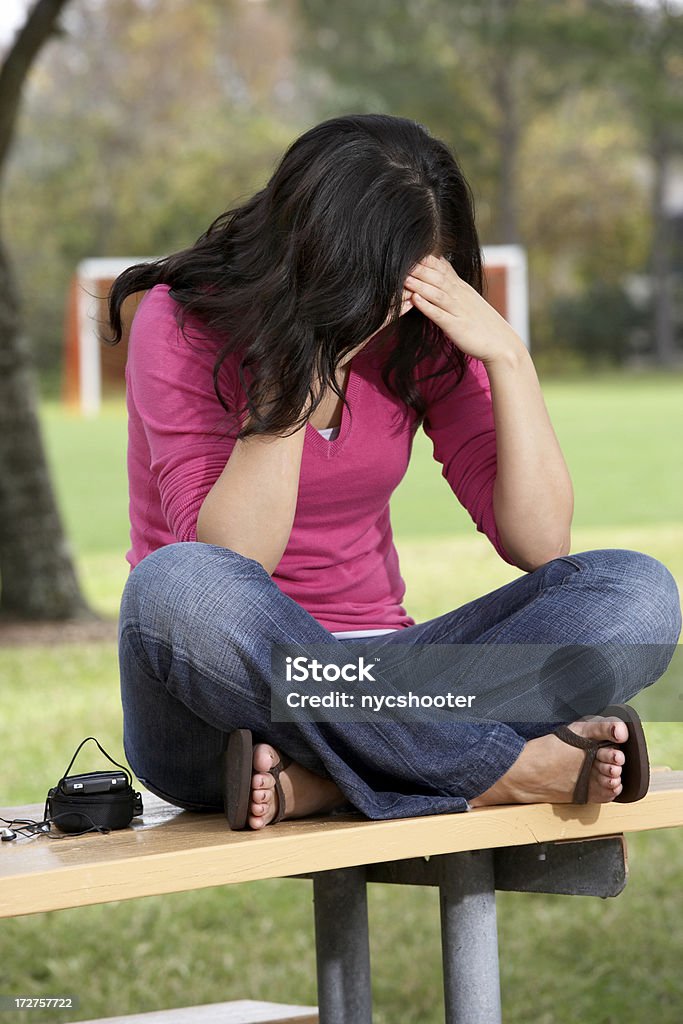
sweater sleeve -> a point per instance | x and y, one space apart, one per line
461 428
170 387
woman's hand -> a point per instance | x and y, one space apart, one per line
532 494
464 316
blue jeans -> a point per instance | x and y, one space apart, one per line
196 626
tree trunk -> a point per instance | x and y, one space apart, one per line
506 219
661 258
36 571
37 576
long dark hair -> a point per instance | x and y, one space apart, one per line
314 263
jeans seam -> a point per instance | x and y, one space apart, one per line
124 635
571 561
204 669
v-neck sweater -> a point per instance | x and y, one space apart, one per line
340 563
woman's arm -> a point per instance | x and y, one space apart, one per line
251 506
532 493
212 488
532 497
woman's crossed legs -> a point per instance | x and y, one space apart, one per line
196 629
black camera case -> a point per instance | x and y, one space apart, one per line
105 800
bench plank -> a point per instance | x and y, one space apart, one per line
172 850
241 1011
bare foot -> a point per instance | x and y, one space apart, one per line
305 792
547 768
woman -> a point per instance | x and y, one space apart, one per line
340 309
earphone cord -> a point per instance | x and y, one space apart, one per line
26 828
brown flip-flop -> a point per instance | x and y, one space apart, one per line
238 769
635 772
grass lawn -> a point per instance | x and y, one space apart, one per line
563 960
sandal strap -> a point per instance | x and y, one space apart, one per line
580 795
591 747
283 763
585 742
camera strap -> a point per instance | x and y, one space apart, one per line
130 777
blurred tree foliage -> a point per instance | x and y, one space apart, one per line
154 116
146 122
551 107
648 71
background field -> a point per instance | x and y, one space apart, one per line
562 959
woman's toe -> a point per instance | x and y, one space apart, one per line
610 770
618 730
605 755
265 756
603 787
261 810
262 782
609 755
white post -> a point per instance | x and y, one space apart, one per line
513 258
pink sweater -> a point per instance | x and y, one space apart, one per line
340 563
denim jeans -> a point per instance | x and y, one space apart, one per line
196 626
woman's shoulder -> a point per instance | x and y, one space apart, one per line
166 341
156 302
155 317
162 317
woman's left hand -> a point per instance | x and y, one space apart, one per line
464 316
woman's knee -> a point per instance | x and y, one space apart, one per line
180 581
649 609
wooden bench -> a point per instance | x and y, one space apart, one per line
549 848
243 1011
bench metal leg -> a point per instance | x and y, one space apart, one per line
469 938
342 946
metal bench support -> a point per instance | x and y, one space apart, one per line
469 938
467 887
342 946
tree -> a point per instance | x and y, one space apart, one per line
633 51
37 574
478 70
132 144
651 80
485 74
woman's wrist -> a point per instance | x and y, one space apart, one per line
510 355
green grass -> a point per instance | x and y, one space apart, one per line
562 960
620 438
88 458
